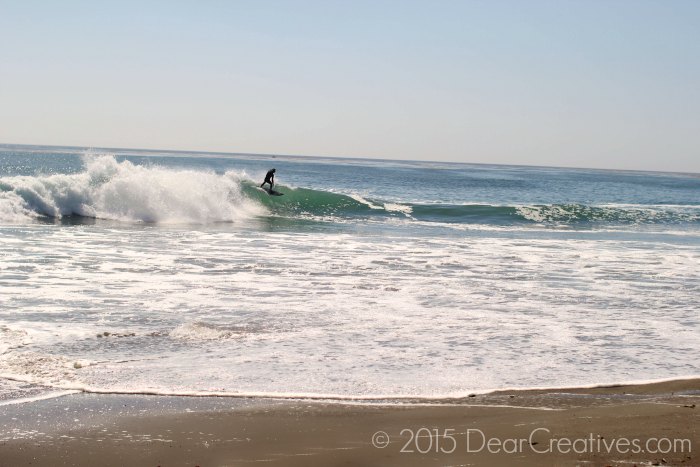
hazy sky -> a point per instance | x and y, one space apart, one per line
612 84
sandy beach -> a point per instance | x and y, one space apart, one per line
651 424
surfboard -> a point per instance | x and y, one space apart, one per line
273 192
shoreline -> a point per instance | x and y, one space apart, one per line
108 429
378 399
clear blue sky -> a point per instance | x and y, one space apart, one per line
612 84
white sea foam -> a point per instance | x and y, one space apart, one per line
39 397
230 312
40 368
13 208
12 338
199 331
109 189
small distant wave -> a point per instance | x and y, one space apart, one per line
610 214
109 189
558 214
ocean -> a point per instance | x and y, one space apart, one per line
156 272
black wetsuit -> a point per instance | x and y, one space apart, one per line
269 178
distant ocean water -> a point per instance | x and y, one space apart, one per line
171 272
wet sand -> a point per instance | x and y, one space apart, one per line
602 426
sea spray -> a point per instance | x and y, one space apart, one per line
110 189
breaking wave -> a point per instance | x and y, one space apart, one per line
123 191
109 189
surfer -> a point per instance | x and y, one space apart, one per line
269 178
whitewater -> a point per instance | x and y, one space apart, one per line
172 273
123 191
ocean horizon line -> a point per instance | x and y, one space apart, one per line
157 151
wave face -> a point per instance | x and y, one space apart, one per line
324 204
109 189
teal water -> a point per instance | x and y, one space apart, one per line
367 278
425 191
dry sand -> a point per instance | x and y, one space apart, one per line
607 426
